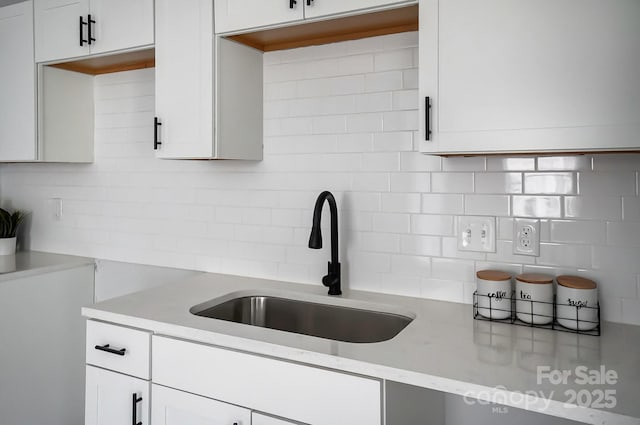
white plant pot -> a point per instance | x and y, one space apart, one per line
8 246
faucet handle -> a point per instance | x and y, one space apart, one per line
332 279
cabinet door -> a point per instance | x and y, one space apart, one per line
316 8
258 419
121 24
109 398
173 407
184 78
17 85
236 15
58 31
529 76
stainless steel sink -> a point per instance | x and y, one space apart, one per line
308 318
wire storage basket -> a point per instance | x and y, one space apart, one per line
576 318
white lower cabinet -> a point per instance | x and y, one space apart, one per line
258 419
280 388
173 407
115 398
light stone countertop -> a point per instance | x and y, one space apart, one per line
31 263
443 348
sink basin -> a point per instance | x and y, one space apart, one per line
308 318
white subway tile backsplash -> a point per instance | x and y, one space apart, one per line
361 123
631 311
610 183
410 182
452 182
417 265
625 234
537 206
393 142
616 162
391 60
450 269
486 205
421 245
340 117
631 208
564 255
578 231
383 81
549 183
564 163
440 225
511 164
443 290
401 202
593 207
414 161
497 183
381 161
391 223
442 204
374 102
476 163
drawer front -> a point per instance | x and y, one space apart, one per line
301 393
118 348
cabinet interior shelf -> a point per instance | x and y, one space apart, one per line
128 61
390 21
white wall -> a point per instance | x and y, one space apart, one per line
339 117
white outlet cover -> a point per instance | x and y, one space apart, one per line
476 233
526 236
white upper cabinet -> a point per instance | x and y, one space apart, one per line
318 8
234 15
208 89
72 28
61 29
17 84
523 76
121 24
238 15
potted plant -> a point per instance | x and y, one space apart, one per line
9 223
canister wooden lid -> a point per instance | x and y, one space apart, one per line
535 278
576 282
495 275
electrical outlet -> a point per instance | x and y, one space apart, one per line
526 236
477 233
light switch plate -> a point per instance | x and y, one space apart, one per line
476 233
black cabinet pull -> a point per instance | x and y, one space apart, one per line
107 349
156 133
309 2
427 127
90 23
134 409
292 4
81 25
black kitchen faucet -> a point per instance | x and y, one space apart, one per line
332 279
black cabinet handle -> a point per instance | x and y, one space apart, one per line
107 349
90 23
309 2
156 133
292 4
427 127
134 409
81 26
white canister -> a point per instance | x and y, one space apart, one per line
534 298
494 291
577 303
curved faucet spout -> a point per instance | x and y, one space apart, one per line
332 279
